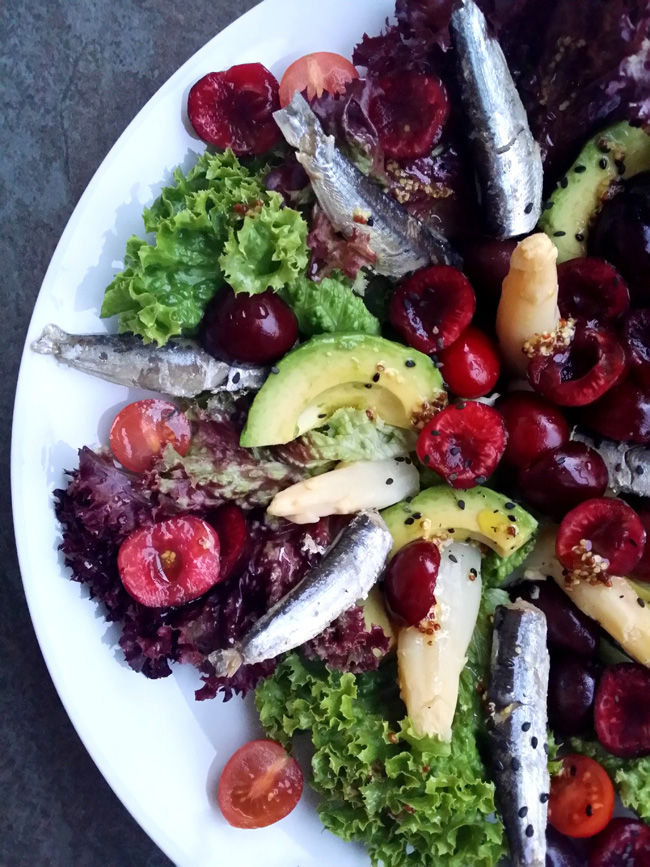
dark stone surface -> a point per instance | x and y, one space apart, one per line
73 73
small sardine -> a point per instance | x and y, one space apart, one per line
180 368
517 726
401 242
628 465
507 159
346 574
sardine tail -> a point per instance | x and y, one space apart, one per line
50 340
226 662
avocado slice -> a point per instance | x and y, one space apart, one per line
395 383
479 514
616 153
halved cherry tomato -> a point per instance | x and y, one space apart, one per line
322 70
260 785
582 797
142 429
170 563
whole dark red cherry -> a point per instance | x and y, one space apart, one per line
248 329
562 477
534 426
410 581
623 413
571 690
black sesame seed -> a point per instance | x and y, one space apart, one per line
408 500
453 477
370 221
548 205
435 433
526 727
604 146
523 812
530 831
461 504
275 369
559 234
322 415
534 742
417 515
467 463
579 236
389 481
453 558
620 166
450 530
543 798
480 480
409 521
454 450
640 602
498 764
579 169
375 378
368 385
426 459
460 405
399 460
409 362
509 506
618 468
589 810
528 208
512 518
564 183
236 377
546 748
515 764
408 461
473 572
639 470
602 162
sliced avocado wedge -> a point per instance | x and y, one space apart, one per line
479 514
391 381
614 154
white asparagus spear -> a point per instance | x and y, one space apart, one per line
528 304
429 666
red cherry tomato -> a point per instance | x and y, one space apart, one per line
582 797
260 785
170 563
471 364
141 431
234 109
315 73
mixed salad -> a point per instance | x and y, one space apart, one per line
396 477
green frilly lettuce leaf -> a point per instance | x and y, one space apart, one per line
329 306
496 570
408 799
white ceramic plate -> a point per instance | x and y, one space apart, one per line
154 744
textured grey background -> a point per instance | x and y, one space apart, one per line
73 73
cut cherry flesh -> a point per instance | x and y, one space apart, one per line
571 691
570 630
641 571
230 525
622 710
463 444
562 478
170 563
471 364
408 110
234 109
607 529
636 339
580 373
623 843
410 581
591 290
621 414
248 329
432 308
534 426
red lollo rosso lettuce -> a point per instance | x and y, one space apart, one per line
332 252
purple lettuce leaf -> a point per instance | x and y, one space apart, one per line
347 643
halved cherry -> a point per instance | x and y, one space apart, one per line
231 527
464 443
534 426
234 109
582 797
471 364
641 571
170 563
141 431
580 373
621 414
622 710
602 529
623 843
636 338
592 290
408 109
259 785
410 581
432 308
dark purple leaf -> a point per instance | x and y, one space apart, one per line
348 645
